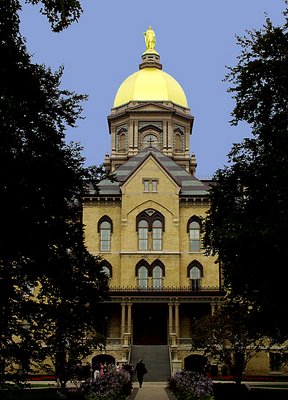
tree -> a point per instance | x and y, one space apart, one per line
247 222
60 13
42 181
229 337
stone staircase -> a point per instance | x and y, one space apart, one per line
156 360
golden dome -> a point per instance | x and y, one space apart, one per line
150 84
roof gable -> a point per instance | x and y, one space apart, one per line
189 184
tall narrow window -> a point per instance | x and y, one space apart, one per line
142 277
157 277
194 236
122 142
157 235
143 234
178 142
195 276
146 183
275 362
105 236
106 271
154 185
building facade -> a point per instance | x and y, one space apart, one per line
146 224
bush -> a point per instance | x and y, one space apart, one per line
188 385
113 385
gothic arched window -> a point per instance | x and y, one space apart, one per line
195 273
157 235
105 230
122 142
143 235
106 268
178 142
142 277
194 230
157 277
151 221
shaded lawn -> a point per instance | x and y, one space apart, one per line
31 394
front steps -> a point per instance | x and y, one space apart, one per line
156 359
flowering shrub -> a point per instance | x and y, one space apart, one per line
188 385
113 385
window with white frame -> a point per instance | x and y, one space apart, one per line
142 277
150 225
146 183
194 237
157 235
105 230
195 278
105 236
150 185
154 183
143 235
106 271
157 277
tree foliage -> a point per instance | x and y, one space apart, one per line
229 337
60 13
247 222
42 181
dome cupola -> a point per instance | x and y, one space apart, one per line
150 83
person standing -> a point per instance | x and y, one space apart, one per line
140 371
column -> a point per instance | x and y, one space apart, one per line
136 144
177 326
170 318
130 138
129 319
123 319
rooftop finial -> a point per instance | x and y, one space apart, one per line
150 40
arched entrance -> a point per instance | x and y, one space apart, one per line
196 363
102 358
150 324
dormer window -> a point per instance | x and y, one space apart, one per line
154 185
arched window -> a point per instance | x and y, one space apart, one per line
142 277
122 142
157 235
151 221
178 142
157 276
194 236
106 268
105 230
106 271
195 276
195 273
143 234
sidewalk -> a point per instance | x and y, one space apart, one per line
150 391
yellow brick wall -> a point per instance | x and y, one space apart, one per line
124 254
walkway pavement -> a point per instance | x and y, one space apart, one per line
150 391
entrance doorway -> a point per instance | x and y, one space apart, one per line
196 363
150 324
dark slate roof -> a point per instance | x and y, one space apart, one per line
189 184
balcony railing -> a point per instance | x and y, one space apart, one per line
185 289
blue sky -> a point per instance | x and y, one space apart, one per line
195 40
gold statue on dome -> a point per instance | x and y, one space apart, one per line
150 40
